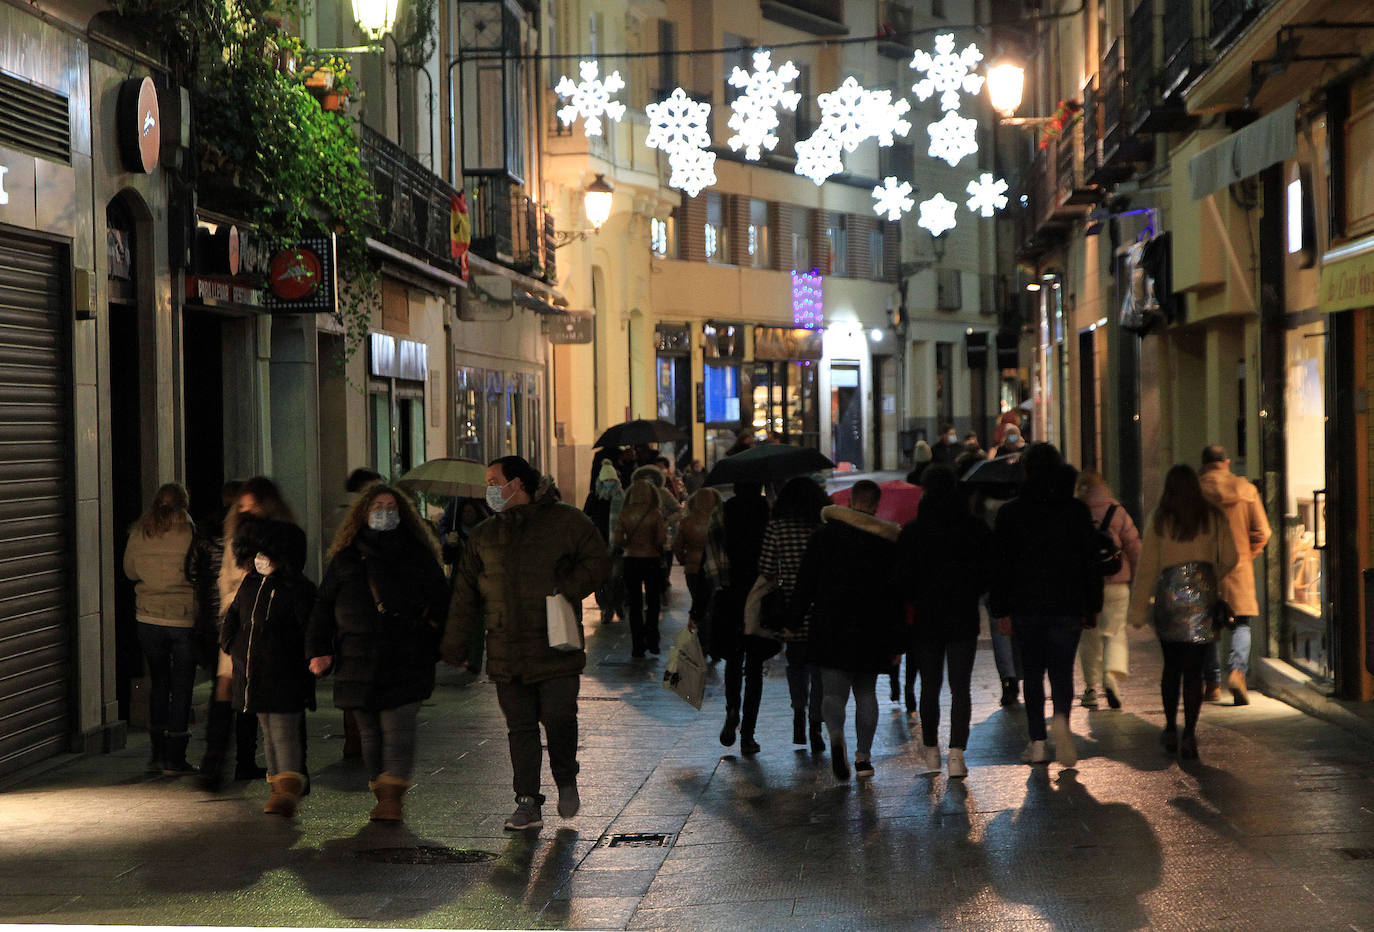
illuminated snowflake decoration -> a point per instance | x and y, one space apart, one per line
590 98
947 72
755 112
892 198
952 138
937 215
693 169
851 113
988 195
679 127
819 157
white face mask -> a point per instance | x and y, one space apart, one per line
495 500
384 519
263 564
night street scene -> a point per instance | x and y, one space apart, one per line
687 464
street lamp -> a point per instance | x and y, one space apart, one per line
1006 83
596 201
375 17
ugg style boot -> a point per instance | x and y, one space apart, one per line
221 722
388 790
286 793
955 762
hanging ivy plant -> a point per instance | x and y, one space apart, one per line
264 141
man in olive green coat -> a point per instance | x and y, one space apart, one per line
533 547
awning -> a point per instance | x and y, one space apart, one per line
1348 276
485 266
1267 141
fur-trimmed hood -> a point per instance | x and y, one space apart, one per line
862 521
651 473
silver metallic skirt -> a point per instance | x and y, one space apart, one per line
1184 597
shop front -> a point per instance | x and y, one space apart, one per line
725 388
786 376
673 385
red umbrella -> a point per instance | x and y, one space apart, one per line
899 502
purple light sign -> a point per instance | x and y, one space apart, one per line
808 306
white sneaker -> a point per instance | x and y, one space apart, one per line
1064 748
1036 753
929 759
955 761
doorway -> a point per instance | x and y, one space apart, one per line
846 415
202 355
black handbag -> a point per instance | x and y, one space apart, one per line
773 610
1222 616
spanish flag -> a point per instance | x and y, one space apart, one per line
459 231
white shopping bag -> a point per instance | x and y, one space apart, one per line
685 673
563 632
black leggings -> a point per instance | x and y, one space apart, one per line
643 583
1182 662
933 653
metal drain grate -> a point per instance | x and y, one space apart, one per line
425 854
1357 854
638 840
598 698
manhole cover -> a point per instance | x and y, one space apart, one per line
425 854
1357 854
638 840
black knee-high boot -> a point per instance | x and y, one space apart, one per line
246 743
216 745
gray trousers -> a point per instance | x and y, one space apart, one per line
836 685
388 740
553 704
281 741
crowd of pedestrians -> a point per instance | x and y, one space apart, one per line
1058 567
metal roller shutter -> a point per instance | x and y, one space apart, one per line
36 592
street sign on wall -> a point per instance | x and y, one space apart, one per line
569 328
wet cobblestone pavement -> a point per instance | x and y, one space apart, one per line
1272 829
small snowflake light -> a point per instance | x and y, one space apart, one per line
851 113
755 112
892 198
678 122
988 195
590 98
693 169
818 157
947 72
937 215
887 117
952 138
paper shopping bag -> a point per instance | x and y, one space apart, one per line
685 673
563 631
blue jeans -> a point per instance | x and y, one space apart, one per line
171 657
1004 653
1048 644
388 740
1238 659
281 741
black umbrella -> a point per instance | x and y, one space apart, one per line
1002 477
631 433
768 462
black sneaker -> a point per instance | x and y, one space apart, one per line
527 814
1169 738
863 769
727 734
1009 693
1113 699
839 762
748 745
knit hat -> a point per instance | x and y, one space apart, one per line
607 472
923 454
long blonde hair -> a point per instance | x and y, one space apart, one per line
356 520
168 510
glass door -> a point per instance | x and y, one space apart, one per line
1307 635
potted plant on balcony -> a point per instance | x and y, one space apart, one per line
1064 114
288 53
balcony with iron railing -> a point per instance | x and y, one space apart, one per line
413 204
1184 47
1227 19
1071 189
509 227
1092 129
1121 149
818 17
1152 109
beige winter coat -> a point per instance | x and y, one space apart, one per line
163 595
1160 551
1239 500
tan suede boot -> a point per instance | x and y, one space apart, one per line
388 790
286 793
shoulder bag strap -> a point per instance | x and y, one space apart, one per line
372 587
1107 519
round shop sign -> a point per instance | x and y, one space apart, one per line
295 274
140 125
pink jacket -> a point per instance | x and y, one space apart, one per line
1123 529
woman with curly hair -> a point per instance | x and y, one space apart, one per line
155 560
376 624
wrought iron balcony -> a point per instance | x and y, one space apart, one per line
1184 49
510 227
818 17
1152 109
414 204
1071 189
1121 148
532 243
1228 18
1092 129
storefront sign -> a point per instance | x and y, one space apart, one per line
140 125
788 343
569 328
301 279
1348 277
218 292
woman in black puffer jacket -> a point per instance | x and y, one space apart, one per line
377 623
264 633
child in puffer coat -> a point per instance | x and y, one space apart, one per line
264 633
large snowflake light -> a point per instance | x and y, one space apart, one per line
755 112
590 98
679 127
988 195
937 215
887 118
947 72
952 138
851 113
892 198
819 157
